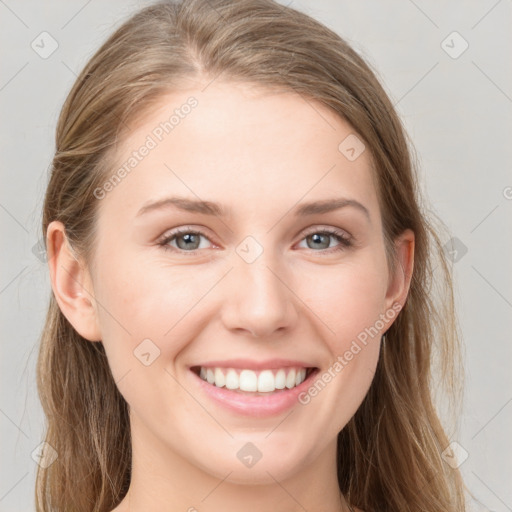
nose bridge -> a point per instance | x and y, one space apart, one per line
260 301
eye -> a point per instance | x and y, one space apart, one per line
188 240
320 239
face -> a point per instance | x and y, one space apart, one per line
250 280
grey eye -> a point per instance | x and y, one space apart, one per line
190 241
319 240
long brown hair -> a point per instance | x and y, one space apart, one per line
389 454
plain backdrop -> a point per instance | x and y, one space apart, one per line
447 67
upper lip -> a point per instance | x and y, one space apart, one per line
251 364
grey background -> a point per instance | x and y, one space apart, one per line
458 112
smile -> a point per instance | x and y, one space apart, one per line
241 392
264 381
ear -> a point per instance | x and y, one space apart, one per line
71 283
400 281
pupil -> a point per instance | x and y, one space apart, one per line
317 238
188 238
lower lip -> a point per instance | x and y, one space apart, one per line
254 405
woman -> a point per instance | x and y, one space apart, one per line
243 313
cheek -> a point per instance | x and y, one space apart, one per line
149 302
350 305
347 298
147 318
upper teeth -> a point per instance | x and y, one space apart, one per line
249 380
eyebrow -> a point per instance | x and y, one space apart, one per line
211 208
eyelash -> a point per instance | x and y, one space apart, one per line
344 241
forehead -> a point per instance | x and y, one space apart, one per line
251 147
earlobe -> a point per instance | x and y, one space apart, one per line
71 283
400 282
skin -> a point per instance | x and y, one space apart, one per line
260 153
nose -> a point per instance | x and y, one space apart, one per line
259 299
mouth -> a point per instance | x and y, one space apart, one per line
253 389
263 382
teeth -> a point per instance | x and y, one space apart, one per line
290 379
265 381
280 379
220 380
248 381
232 380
